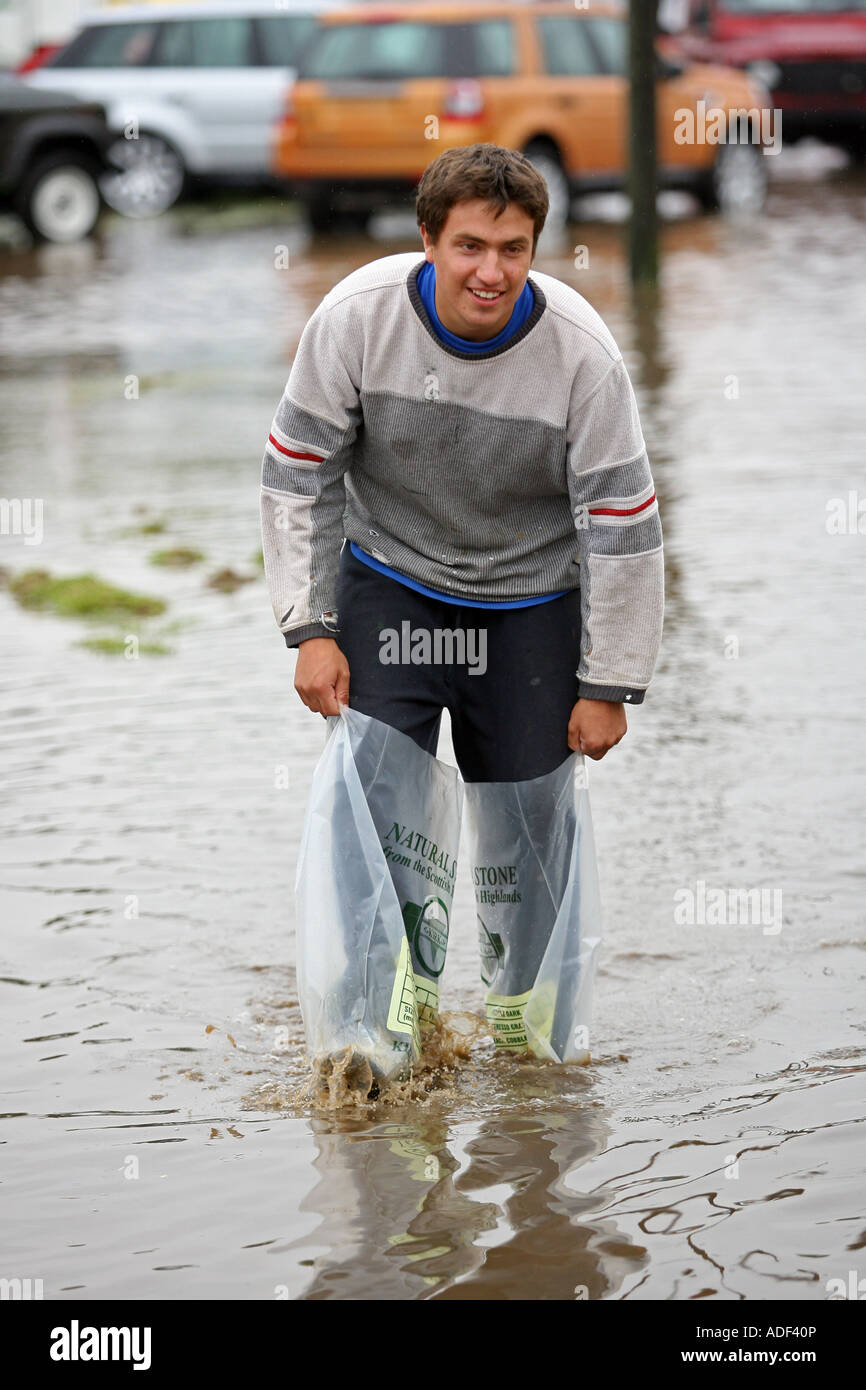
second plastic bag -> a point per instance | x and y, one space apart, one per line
539 913
374 888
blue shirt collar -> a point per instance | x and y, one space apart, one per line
520 313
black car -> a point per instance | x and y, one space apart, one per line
52 157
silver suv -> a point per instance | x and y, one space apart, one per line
190 89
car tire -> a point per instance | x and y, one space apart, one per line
355 219
59 199
148 178
320 214
737 183
546 160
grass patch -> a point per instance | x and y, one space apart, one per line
258 558
81 596
177 557
152 528
227 580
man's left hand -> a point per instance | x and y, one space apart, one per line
595 726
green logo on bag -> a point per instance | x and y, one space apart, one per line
427 929
492 952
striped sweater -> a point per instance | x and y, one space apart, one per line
490 476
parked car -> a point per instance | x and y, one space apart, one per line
380 93
191 90
810 54
53 153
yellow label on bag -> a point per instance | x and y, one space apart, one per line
403 1013
427 999
538 1020
505 1016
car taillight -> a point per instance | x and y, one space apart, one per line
38 58
288 117
464 101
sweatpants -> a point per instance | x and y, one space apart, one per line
509 699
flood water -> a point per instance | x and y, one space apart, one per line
151 809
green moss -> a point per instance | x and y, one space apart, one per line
152 528
117 646
258 558
227 580
179 557
81 596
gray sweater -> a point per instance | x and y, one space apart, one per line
500 475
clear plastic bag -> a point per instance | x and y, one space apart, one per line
374 889
535 876
375 885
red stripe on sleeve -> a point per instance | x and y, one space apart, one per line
622 511
293 453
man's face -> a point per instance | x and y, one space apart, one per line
478 251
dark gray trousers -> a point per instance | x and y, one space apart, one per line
509 712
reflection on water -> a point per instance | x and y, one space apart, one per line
151 812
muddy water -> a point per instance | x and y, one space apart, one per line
151 812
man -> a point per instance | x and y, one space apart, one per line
470 430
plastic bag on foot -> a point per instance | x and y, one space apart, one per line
539 912
374 888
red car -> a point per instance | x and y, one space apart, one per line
810 55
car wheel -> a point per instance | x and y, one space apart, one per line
545 159
355 219
59 198
738 180
148 176
320 214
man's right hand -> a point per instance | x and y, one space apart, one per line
322 675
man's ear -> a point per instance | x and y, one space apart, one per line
428 244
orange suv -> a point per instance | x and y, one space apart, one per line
381 91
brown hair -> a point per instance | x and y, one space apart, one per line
491 172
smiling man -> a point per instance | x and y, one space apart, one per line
480 275
458 446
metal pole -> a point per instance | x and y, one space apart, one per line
643 227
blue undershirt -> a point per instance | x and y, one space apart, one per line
521 312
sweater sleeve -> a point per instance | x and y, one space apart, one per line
303 495
619 541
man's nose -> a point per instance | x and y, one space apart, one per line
489 270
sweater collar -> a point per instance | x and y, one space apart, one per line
418 305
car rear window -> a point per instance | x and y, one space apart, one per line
404 49
568 51
107 46
204 43
282 38
610 37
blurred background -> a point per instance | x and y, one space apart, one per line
341 108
